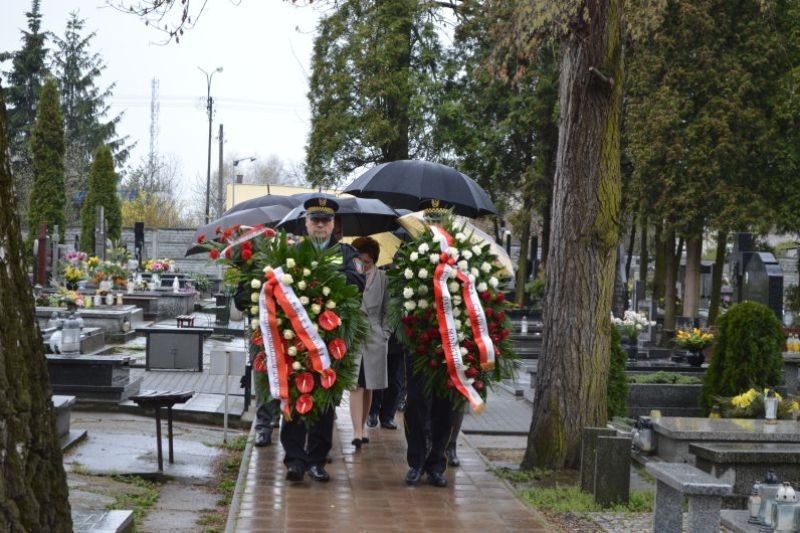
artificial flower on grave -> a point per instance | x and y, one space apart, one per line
63 297
73 273
110 271
306 321
159 266
452 315
76 258
750 404
631 324
693 339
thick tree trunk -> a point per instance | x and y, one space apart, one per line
658 274
33 486
579 282
644 257
691 278
668 331
716 277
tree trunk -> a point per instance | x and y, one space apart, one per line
716 277
658 275
644 258
579 281
33 486
691 278
629 258
670 275
524 252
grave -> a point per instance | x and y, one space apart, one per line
675 434
175 348
92 339
755 276
116 321
63 408
92 377
791 372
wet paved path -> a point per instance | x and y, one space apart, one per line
367 493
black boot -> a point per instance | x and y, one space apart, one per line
450 453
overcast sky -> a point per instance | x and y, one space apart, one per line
264 47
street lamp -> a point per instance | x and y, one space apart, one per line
233 177
210 110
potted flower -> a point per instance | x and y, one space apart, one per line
695 340
157 267
753 403
72 275
631 325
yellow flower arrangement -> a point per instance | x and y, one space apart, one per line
93 261
750 404
73 274
694 339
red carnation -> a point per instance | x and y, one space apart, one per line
499 297
469 344
495 338
409 332
432 333
478 385
470 359
201 239
486 296
407 320
472 372
327 378
228 252
501 316
503 333
433 363
439 351
218 229
227 233
304 404
421 349
214 254
337 348
329 320
269 233
423 338
489 312
248 245
304 382
450 384
236 227
428 314
247 254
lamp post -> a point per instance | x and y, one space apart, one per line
210 110
233 176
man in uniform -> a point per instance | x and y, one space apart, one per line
311 456
423 411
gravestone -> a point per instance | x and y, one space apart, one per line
763 282
589 438
612 470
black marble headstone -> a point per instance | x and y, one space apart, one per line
763 282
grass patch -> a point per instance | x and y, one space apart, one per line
140 498
521 476
574 500
664 378
227 471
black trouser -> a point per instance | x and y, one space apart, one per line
458 419
266 412
385 401
320 440
419 410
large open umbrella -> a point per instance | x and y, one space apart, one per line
358 216
266 201
403 184
267 216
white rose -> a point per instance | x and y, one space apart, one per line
414 256
293 351
287 279
423 274
304 299
316 308
326 291
486 267
408 274
453 286
434 258
463 351
452 273
410 305
408 292
330 304
474 272
279 321
423 248
254 310
254 297
457 323
422 304
255 284
267 269
453 252
493 281
460 237
306 272
456 312
463 266
296 365
422 290
301 285
457 300
476 250
288 334
481 286
461 337
254 325
466 254
314 264
290 263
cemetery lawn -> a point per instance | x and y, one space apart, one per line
226 471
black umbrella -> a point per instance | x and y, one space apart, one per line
403 184
266 201
267 216
358 216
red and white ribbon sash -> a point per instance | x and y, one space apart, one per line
449 335
252 234
302 324
444 238
477 320
277 371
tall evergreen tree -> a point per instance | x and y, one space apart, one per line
33 486
47 148
371 85
84 106
102 192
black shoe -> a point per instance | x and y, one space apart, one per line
356 443
402 406
318 473
263 439
276 422
413 476
388 424
365 440
436 479
452 458
295 472
372 421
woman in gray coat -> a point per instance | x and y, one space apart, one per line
371 359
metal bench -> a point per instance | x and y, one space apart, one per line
705 492
157 400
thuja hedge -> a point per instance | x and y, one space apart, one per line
748 350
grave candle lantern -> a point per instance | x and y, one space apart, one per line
769 489
754 503
771 407
71 336
783 510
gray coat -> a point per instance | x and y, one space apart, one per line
374 304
